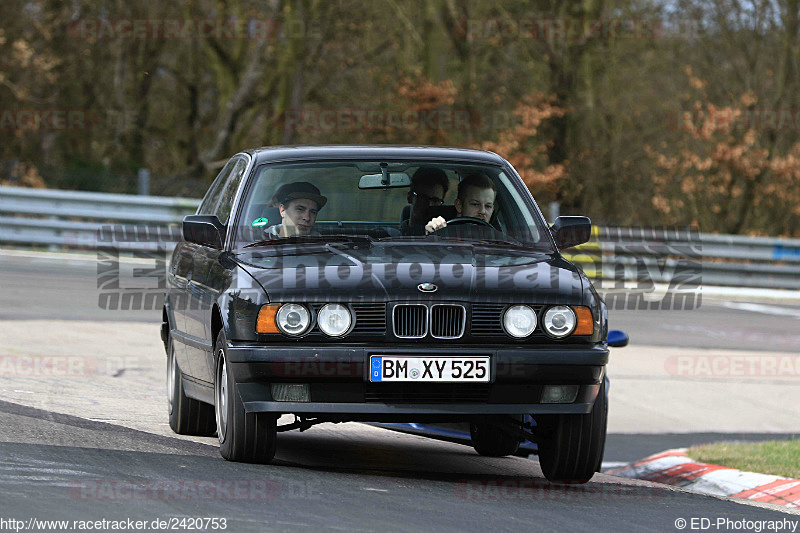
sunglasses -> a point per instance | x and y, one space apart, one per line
432 200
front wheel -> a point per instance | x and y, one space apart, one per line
187 416
571 446
243 437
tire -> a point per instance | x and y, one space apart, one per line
243 437
491 441
571 448
187 416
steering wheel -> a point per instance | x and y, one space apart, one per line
458 221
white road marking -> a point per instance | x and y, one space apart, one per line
763 309
71 258
61 256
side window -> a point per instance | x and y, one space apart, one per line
516 213
212 196
225 204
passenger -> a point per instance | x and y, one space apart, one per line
299 204
428 187
476 195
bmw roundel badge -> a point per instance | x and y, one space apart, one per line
427 287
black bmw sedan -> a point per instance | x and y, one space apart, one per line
384 284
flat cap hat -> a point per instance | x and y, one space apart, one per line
300 189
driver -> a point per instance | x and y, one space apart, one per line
299 203
428 188
476 195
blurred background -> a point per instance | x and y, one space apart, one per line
632 112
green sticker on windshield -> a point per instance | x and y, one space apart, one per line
260 222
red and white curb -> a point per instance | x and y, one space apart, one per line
674 467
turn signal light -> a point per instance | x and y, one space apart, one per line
266 322
585 322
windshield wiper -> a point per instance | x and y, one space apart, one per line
518 246
480 242
439 238
494 242
311 239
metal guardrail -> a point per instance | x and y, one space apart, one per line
684 258
90 220
680 258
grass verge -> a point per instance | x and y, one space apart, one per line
777 457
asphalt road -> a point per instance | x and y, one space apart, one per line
61 467
57 466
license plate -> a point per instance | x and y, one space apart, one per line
443 369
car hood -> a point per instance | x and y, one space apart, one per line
323 272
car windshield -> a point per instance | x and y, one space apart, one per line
333 201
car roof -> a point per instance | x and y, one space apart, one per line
374 152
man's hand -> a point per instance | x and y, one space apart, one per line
435 224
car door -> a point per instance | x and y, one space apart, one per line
177 300
203 295
193 333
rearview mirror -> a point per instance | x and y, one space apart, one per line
376 181
205 230
571 231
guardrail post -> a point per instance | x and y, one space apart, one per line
144 182
11 170
555 211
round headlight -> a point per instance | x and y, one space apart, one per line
334 320
293 319
559 321
519 321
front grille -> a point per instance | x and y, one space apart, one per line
447 321
410 321
370 319
487 320
427 393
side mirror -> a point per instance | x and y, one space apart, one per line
205 230
571 231
617 338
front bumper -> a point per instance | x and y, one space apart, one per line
339 383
